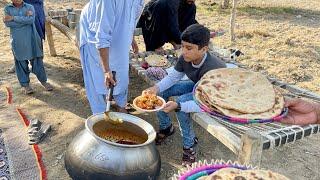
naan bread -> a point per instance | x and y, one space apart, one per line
224 174
275 111
238 89
202 99
237 174
156 60
202 178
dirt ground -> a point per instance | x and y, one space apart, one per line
280 37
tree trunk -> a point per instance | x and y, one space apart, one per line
232 20
225 4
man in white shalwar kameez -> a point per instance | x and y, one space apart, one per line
106 33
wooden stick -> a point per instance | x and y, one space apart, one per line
52 50
232 21
62 28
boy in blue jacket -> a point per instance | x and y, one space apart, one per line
26 44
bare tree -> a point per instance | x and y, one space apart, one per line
232 20
225 4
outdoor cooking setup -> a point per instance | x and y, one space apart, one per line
114 151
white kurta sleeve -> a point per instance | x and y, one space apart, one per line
190 106
172 78
105 20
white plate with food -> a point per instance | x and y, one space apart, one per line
149 103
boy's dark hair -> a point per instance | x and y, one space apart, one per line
196 34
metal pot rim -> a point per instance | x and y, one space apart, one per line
147 127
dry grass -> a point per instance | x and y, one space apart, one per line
278 37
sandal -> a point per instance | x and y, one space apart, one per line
28 90
47 86
37 137
129 107
35 123
189 154
163 134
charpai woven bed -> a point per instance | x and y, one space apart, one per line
250 139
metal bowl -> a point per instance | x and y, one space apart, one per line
92 157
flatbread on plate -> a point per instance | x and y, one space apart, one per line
156 60
274 111
238 89
237 174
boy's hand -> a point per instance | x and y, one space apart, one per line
151 90
29 13
7 18
170 106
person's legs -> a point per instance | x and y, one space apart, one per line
39 71
185 122
165 124
187 132
97 101
22 71
121 101
178 89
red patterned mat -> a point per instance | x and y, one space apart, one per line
18 160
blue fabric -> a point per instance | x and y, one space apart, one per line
25 41
107 24
40 17
95 87
22 70
183 90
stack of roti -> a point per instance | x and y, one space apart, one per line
156 60
239 93
237 174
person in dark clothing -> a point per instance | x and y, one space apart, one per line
40 17
163 21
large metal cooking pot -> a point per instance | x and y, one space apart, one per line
92 157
